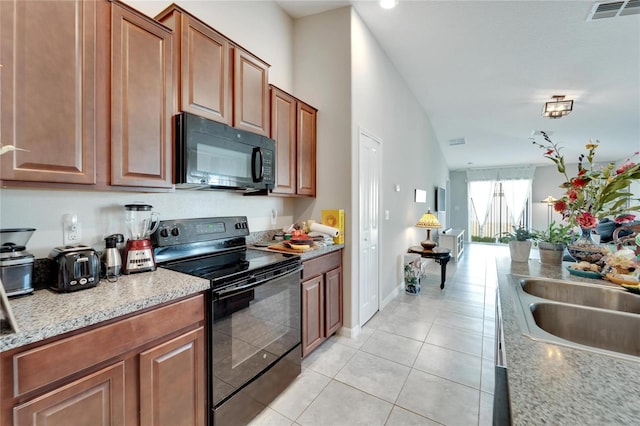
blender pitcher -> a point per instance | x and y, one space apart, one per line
140 220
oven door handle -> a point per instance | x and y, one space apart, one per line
228 292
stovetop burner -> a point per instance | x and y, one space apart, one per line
213 248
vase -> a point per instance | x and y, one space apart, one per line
584 249
520 250
551 253
412 274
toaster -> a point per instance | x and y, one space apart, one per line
76 267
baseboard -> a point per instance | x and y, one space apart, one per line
351 333
392 295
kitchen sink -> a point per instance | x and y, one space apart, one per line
597 328
597 296
597 318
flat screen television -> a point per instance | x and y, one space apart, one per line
440 199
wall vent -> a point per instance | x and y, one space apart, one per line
613 9
457 141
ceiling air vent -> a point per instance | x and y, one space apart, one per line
458 141
613 9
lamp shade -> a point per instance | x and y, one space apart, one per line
428 221
549 200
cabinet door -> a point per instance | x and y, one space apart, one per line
49 80
333 301
172 382
250 93
306 150
312 314
141 99
205 87
283 131
97 399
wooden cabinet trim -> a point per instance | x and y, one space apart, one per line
250 76
333 301
283 131
313 318
48 363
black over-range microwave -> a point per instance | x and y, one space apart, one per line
212 155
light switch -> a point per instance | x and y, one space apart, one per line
397 188
386 215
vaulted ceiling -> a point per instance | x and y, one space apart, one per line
482 71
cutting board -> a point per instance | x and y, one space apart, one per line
281 247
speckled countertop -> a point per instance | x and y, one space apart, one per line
310 254
46 314
555 384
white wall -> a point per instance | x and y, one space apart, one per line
411 156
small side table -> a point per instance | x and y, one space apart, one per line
439 254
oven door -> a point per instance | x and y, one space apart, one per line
256 333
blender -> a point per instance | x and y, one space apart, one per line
141 223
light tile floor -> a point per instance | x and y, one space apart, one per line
422 360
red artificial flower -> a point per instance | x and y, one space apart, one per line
560 206
549 152
624 167
578 183
624 218
587 220
581 172
572 194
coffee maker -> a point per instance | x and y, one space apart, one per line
138 253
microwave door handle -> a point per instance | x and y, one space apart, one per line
257 172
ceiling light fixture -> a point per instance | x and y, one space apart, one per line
558 107
388 4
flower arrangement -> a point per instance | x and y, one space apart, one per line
596 191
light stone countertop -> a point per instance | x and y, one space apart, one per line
46 313
310 254
555 384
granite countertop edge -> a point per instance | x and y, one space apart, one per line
556 384
46 313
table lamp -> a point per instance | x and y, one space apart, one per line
429 221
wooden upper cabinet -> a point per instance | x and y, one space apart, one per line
203 67
141 100
51 69
306 149
293 126
250 93
283 131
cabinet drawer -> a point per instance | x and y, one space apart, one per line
48 363
322 264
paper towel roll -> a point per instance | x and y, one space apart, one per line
324 229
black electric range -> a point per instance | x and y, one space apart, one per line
254 321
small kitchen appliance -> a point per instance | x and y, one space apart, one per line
77 267
141 223
16 264
111 259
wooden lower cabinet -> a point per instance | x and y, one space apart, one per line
173 381
321 299
146 369
97 399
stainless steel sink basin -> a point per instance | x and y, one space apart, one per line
597 318
598 296
597 328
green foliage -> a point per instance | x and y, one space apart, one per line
554 234
518 234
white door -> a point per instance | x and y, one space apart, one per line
369 177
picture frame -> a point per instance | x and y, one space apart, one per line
420 196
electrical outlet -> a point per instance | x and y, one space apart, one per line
71 230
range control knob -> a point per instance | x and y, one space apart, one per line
175 232
164 233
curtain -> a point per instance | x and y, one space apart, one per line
516 185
